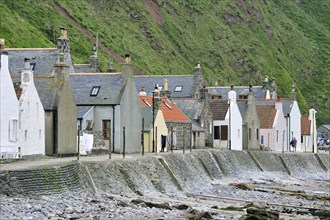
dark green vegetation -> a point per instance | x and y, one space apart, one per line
235 41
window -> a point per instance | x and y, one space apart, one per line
301 139
276 135
89 125
106 129
13 130
178 89
250 134
39 134
224 133
238 133
257 134
95 91
216 132
262 140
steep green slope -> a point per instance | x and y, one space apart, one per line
236 41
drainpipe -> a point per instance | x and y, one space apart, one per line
113 130
55 147
289 133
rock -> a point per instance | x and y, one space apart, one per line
243 186
260 214
68 210
181 206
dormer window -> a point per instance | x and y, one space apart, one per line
95 90
178 89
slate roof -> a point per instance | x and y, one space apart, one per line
327 127
219 108
196 126
186 81
109 92
240 90
147 115
242 106
266 114
18 90
47 91
190 107
42 61
82 110
286 104
83 68
305 125
170 115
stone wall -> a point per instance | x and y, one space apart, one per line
182 133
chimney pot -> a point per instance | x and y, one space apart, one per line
64 33
127 58
278 98
231 87
26 63
165 85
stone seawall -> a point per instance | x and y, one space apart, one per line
165 174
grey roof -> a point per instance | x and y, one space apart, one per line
82 110
196 126
42 60
147 115
286 104
84 68
240 90
109 92
327 127
186 81
47 91
242 106
190 107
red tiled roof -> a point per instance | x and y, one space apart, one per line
266 114
305 125
174 114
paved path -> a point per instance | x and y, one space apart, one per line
52 161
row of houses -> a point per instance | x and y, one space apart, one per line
45 100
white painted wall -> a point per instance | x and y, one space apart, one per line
279 129
220 143
9 108
32 117
313 131
295 126
235 126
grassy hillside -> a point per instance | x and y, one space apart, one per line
235 41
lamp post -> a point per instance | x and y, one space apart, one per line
153 117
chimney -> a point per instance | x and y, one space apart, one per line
61 69
4 60
142 92
293 94
157 98
63 43
27 74
27 64
165 92
2 44
127 68
278 103
111 68
251 96
94 60
274 87
165 85
232 94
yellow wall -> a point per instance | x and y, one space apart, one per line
161 130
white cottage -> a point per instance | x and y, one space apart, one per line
31 115
235 122
9 108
